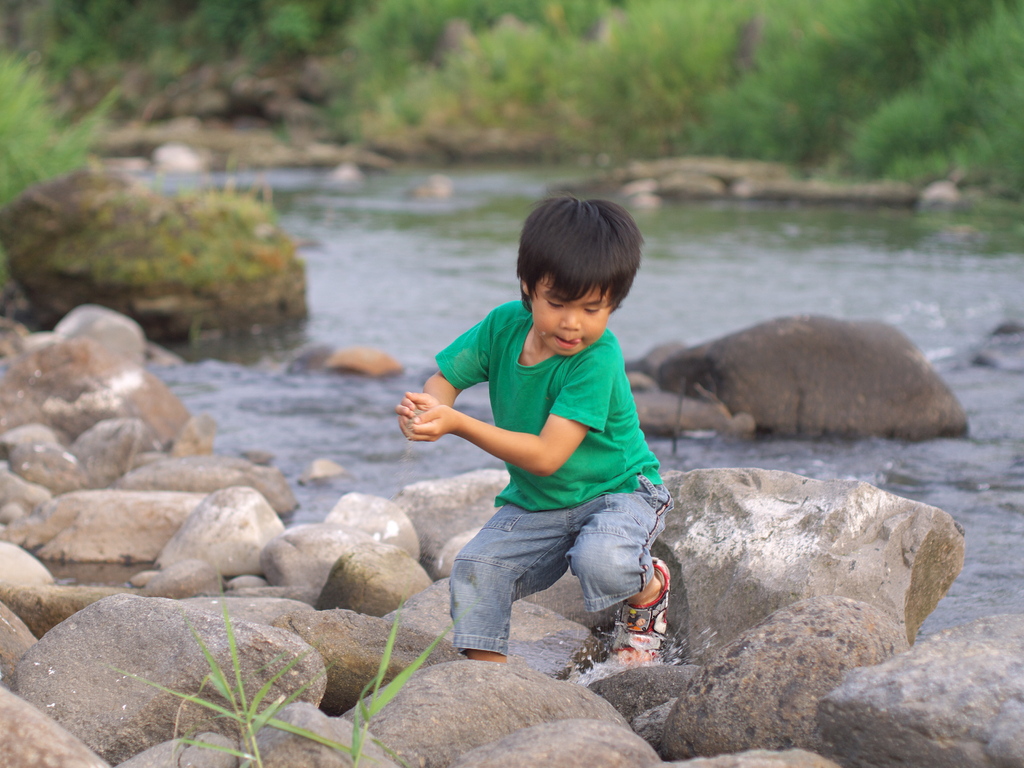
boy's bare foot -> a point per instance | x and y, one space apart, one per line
476 655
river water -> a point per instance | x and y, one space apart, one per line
405 274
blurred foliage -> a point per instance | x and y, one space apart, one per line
35 144
903 88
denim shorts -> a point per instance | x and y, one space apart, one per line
605 542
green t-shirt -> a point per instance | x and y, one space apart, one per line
589 387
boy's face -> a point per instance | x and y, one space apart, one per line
564 327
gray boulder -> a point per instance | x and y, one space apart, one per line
206 474
761 691
185 578
71 385
45 606
26 433
956 699
352 646
18 497
228 529
821 376
258 610
20 567
373 578
745 542
30 739
382 518
196 438
472 703
103 526
578 743
303 555
178 753
443 509
81 672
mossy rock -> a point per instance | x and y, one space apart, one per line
207 260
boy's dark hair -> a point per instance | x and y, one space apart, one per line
579 245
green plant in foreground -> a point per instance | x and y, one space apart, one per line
252 715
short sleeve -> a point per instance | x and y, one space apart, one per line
465 361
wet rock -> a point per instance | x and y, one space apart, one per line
185 578
228 529
303 555
116 331
578 743
175 265
104 526
665 414
44 607
322 471
436 186
19 567
15 639
565 597
1004 348
381 518
473 703
71 385
943 195
635 690
761 691
110 448
372 578
75 671
954 699
50 465
206 474
814 376
30 739
441 509
174 157
747 542
352 646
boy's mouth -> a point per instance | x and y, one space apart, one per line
567 344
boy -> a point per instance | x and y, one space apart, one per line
585 490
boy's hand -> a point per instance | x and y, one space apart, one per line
412 405
431 424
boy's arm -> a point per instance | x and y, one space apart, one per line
542 454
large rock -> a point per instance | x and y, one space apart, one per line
443 509
821 376
107 526
206 474
283 749
955 700
382 518
45 606
303 555
761 691
228 529
109 448
373 578
30 739
80 672
19 567
545 640
352 646
15 639
445 710
113 330
746 542
71 385
202 261
576 743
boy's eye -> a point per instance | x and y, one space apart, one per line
554 305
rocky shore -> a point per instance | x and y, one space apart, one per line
794 614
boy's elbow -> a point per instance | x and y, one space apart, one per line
547 467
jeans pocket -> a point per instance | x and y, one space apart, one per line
505 523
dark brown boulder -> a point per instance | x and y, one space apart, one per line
813 376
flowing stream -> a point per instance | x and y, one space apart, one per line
405 274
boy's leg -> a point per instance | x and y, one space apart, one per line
514 555
612 558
